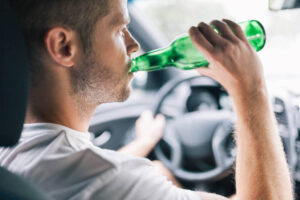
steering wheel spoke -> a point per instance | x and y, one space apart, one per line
223 134
175 151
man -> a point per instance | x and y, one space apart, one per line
80 57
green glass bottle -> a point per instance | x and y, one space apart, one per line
182 53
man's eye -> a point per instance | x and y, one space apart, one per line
121 32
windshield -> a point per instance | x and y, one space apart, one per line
280 56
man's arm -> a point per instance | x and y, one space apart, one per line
260 161
261 167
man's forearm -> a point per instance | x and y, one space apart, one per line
137 148
261 168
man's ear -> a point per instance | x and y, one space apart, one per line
62 46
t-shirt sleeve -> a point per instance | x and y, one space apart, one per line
139 180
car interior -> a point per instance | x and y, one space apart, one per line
198 146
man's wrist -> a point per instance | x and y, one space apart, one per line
147 142
248 97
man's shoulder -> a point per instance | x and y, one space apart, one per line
65 146
121 160
60 159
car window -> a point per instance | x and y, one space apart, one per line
279 56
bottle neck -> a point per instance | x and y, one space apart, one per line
153 60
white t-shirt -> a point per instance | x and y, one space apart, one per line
64 164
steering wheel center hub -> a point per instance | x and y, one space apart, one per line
196 130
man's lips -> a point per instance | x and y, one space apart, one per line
129 66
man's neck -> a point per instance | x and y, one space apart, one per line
58 108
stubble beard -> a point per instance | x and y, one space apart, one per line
93 84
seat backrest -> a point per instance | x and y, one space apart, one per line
13 187
13 77
13 101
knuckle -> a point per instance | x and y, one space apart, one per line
235 42
242 45
218 52
227 47
238 28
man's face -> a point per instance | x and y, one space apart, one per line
103 75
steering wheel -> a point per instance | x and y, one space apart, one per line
194 135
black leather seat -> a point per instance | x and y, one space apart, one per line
13 100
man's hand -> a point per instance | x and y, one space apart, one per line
233 62
149 131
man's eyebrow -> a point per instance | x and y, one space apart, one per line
116 21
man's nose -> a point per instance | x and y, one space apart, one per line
133 45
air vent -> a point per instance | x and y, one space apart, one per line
102 138
280 111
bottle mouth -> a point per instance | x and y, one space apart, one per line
133 66
257 40
264 33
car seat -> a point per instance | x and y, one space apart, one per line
13 101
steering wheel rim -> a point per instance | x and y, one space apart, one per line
224 165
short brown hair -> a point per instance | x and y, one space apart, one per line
38 16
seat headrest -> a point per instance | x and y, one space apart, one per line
13 77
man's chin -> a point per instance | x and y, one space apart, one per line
120 95
125 94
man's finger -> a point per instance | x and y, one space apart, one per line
211 35
237 30
160 117
200 42
147 115
224 30
160 120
